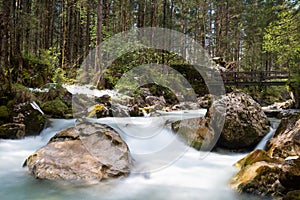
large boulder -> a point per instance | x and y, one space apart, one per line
276 171
87 152
245 124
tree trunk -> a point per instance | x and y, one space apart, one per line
98 62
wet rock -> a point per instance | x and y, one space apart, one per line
257 155
244 126
186 106
260 178
272 113
55 108
276 171
12 131
194 132
282 105
259 174
290 175
286 140
158 103
135 111
33 120
86 152
245 122
99 111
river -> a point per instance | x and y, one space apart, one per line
191 175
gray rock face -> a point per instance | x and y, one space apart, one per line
245 122
86 152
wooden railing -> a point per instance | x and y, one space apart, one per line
255 78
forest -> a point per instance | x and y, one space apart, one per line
41 40
63 132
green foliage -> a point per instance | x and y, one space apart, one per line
98 108
4 112
50 57
282 37
55 108
59 76
21 93
38 70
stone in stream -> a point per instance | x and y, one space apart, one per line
245 124
286 140
87 152
12 131
275 171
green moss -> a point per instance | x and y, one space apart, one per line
55 108
4 114
11 103
97 108
255 156
22 93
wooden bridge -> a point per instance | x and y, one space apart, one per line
254 78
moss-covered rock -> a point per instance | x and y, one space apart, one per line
99 110
257 155
4 114
55 108
12 131
34 121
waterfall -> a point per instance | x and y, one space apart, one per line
274 124
36 107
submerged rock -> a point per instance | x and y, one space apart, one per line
87 152
194 132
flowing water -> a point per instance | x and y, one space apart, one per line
189 175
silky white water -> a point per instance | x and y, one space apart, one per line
191 175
